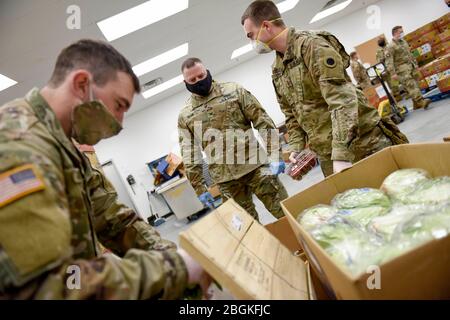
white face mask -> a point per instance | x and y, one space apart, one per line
261 47
401 35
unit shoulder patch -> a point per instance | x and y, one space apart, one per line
330 62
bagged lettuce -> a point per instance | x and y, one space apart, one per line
402 182
363 216
336 229
431 192
316 216
348 246
356 252
386 225
423 228
361 198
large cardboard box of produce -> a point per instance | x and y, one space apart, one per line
425 58
444 83
423 84
441 49
424 39
444 36
375 94
423 273
427 70
443 22
246 258
426 29
442 64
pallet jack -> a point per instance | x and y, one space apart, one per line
397 112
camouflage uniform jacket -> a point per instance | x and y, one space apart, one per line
322 106
54 210
399 57
228 110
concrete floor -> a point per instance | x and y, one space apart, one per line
420 126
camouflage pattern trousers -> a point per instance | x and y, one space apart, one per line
266 187
393 84
370 143
408 78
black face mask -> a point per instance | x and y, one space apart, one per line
382 43
201 87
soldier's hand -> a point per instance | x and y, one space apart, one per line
292 157
338 166
207 199
196 274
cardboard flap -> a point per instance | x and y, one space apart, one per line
244 257
433 157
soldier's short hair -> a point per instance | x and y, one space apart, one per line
262 10
353 54
98 57
394 29
189 63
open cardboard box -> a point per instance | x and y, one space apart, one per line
423 273
246 258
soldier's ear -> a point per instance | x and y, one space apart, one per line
80 83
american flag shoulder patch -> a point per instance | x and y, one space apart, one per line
19 182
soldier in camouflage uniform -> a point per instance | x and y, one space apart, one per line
359 72
56 210
227 108
387 76
323 108
400 61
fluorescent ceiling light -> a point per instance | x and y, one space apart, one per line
242 50
163 87
283 7
161 60
287 5
6 82
139 17
330 11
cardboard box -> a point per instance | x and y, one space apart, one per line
426 48
425 58
438 65
423 84
282 230
443 22
422 273
432 80
175 162
409 37
443 27
245 258
444 83
435 41
442 64
215 191
375 95
424 39
444 36
427 70
441 49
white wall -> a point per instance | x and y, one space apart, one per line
152 133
